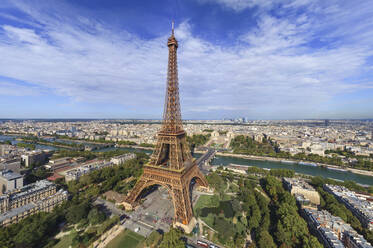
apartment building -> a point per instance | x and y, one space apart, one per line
300 187
361 205
10 181
332 231
32 198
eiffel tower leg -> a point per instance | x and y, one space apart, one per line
198 176
140 185
183 209
200 179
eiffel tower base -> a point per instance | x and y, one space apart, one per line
127 206
187 228
178 185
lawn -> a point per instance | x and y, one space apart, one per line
224 207
204 201
128 239
66 240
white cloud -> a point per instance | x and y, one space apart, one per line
22 35
239 5
271 69
12 89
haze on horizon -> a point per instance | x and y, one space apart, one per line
298 59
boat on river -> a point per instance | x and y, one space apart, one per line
288 162
336 169
308 163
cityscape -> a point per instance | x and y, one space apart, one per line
237 157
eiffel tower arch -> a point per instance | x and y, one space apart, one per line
171 165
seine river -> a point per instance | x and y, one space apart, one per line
302 169
220 160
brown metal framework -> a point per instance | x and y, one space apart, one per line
171 164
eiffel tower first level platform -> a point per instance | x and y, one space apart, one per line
171 165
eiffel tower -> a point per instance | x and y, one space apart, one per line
171 165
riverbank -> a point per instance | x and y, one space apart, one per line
135 147
83 141
328 166
108 144
55 145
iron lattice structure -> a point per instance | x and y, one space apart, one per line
171 164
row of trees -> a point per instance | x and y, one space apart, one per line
36 140
272 172
289 229
198 139
246 145
26 145
255 207
88 155
319 181
126 142
121 142
6 142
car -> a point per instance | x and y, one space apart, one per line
202 244
137 229
213 246
123 217
189 246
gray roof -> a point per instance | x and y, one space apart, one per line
10 175
16 211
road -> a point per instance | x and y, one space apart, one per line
204 161
109 206
193 241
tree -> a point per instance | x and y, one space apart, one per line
153 239
214 200
311 242
96 216
32 230
254 219
217 182
265 240
290 229
236 206
77 212
224 227
172 239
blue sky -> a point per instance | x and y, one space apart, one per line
259 59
